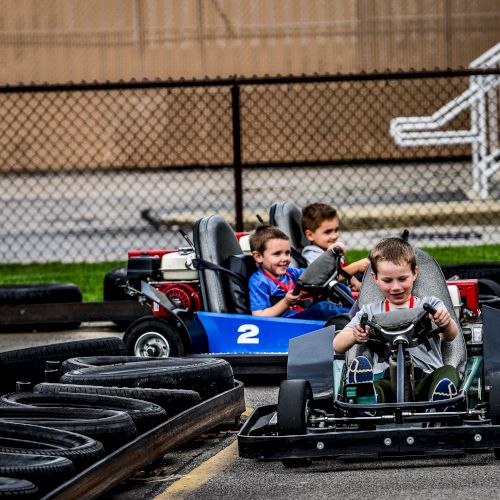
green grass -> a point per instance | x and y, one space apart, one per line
90 277
448 255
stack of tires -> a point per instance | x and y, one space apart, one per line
47 293
63 410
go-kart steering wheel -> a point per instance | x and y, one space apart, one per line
411 326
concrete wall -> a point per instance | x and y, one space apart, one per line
57 41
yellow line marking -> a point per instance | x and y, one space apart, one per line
203 473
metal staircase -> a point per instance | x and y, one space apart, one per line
482 99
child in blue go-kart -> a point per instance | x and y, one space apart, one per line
272 285
394 271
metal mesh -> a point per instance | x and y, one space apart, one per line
88 172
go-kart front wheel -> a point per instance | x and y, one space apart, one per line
150 337
293 406
293 412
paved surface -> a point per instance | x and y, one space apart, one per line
100 216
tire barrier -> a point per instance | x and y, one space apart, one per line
145 415
112 428
112 290
29 364
80 363
208 376
101 403
40 294
474 270
18 488
44 471
173 401
16 437
112 281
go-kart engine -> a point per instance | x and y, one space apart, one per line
183 295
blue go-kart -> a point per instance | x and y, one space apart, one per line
200 305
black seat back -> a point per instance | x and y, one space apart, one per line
288 217
430 281
216 242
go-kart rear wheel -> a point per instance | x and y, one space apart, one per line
154 338
293 407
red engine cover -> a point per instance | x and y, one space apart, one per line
183 295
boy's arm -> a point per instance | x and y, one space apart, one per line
359 266
443 319
349 336
280 307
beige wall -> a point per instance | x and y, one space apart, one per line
57 41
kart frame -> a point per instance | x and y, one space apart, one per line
335 430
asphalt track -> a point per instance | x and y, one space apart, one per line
209 467
100 216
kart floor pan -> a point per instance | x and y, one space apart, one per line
256 440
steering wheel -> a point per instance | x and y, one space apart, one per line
411 326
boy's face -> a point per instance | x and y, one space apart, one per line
326 234
276 257
395 281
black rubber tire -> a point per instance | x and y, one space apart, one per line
339 320
293 400
17 437
173 401
474 270
112 281
17 488
111 428
208 376
113 291
153 337
29 364
488 287
45 471
145 415
81 363
39 293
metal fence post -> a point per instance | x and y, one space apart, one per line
238 188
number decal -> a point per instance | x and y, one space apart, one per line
249 334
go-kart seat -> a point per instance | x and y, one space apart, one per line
216 242
288 217
430 281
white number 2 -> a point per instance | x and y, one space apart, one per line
249 334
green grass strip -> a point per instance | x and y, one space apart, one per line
90 276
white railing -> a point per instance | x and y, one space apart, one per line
482 99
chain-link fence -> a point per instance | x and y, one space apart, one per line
88 172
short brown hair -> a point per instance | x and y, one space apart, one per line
264 233
314 214
395 250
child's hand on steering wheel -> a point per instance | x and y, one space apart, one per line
339 245
291 299
355 284
442 317
361 335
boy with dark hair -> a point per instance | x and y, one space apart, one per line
320 223
272 285
394 270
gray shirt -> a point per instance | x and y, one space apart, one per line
428 361
311 253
